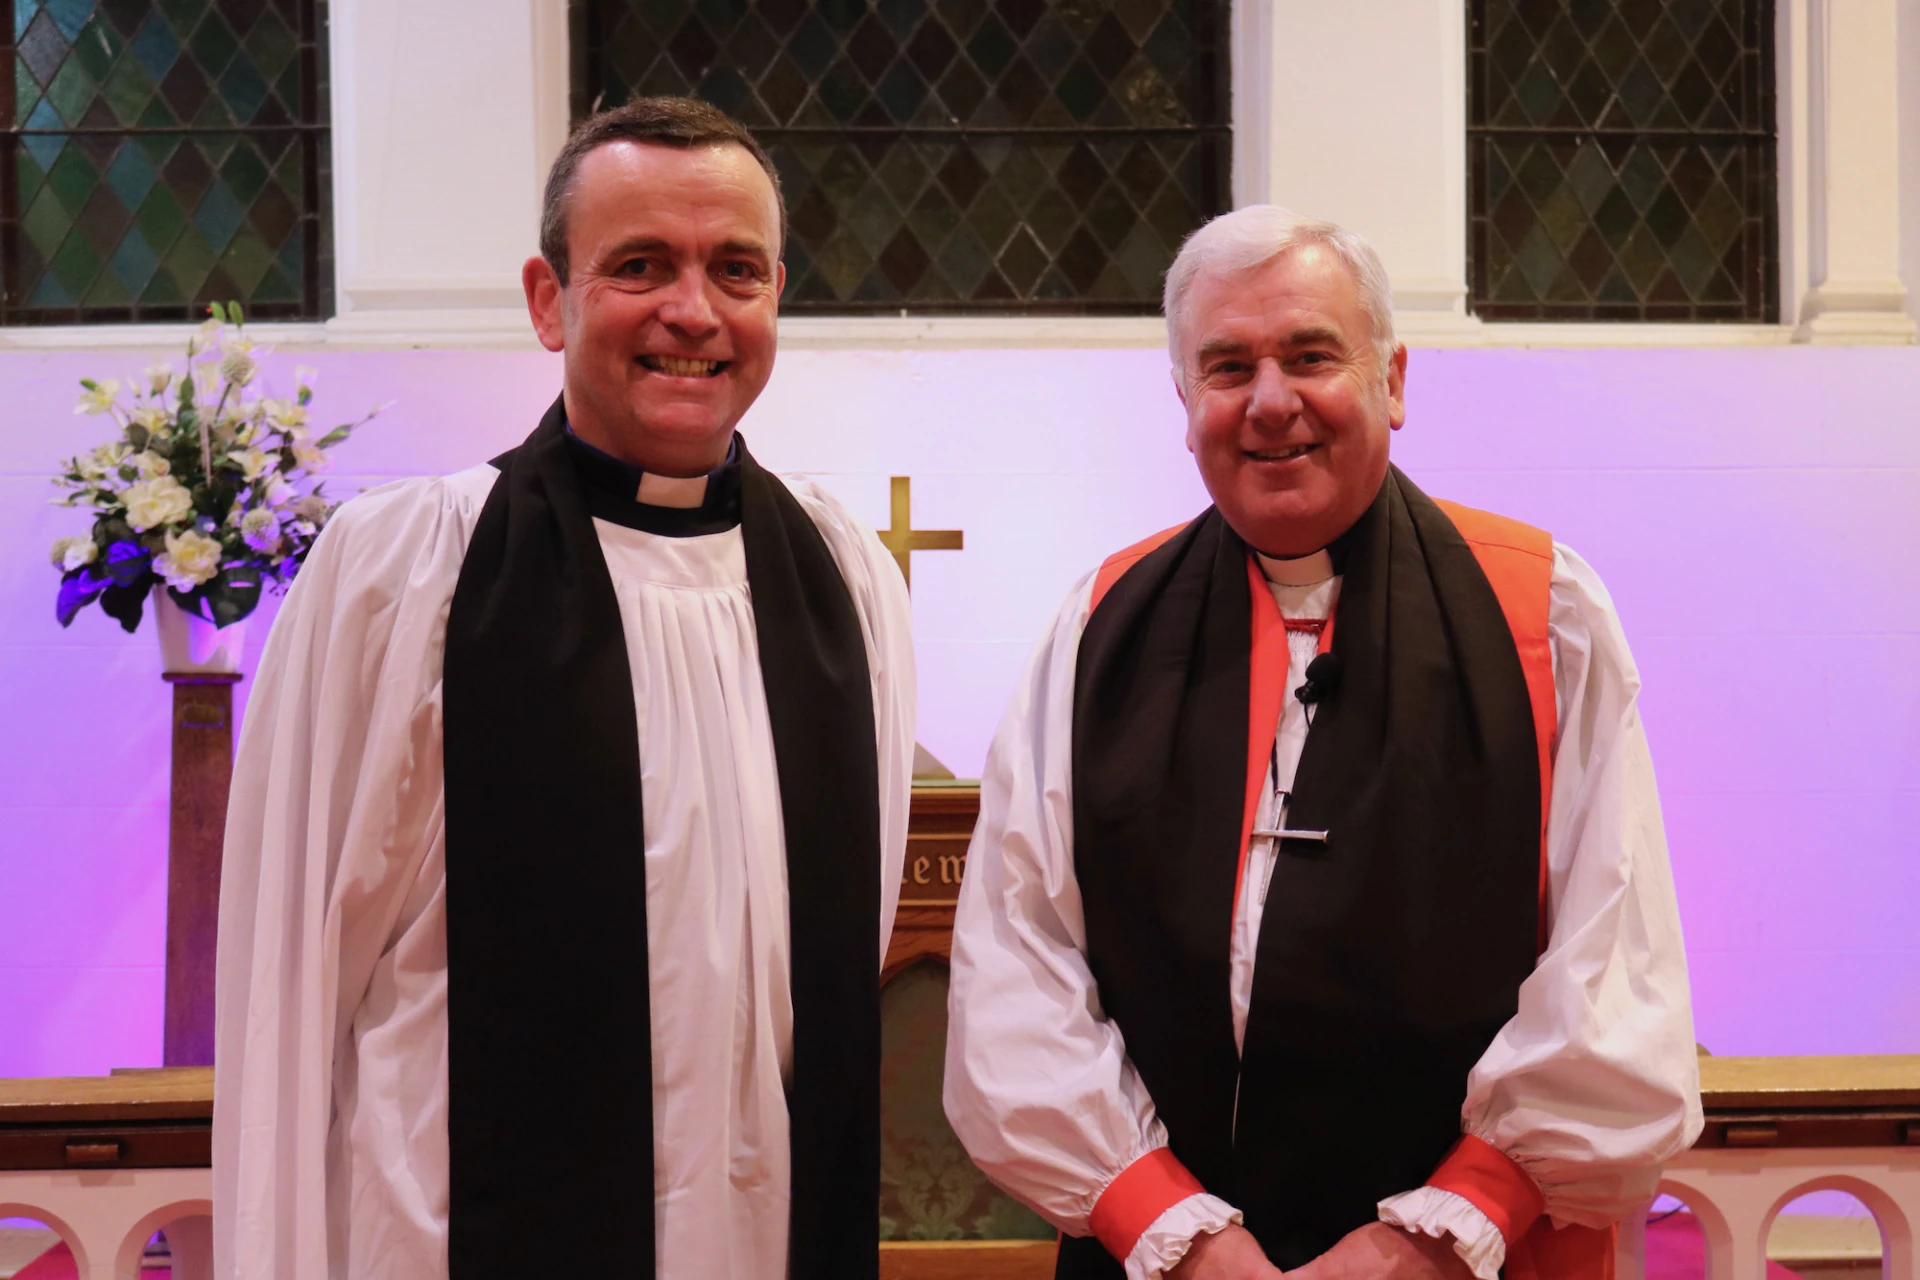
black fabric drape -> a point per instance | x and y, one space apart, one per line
1387 959
550 1120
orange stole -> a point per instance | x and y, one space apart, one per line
1518 562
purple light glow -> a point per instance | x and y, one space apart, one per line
1756 514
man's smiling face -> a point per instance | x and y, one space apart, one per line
668 318
1288 408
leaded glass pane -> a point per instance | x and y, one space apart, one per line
1623 160
1038 156
161 155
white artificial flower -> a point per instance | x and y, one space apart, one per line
305 528
237 361
99 398
72 553
238 368
286 415
313 508
189 560
261 529
103 460
254 463
161 500
310 459
204 337
159 377
152 417
152 466
279 492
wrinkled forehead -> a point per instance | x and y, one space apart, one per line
1305 290
624 183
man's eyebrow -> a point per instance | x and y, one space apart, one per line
637 244
1220 347
745 248
1316 336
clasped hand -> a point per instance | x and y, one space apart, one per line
1373 1252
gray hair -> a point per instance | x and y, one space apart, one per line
1256 235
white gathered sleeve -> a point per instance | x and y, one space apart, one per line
1038 1086
886 620
332 862
1594 1084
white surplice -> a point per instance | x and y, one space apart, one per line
330 1117
1590 1087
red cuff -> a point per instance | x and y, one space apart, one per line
1144 1190
1493 1184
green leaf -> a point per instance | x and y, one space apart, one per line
218 311
124 604
334 437
186 399
89 384
137 435
231 595
233 309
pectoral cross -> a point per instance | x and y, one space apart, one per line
1277 832
903 539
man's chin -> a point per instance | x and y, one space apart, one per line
1285 524
681 423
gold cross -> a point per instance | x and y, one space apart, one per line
903 539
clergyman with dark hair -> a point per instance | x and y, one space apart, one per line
569 805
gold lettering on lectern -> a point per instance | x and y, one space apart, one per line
920 870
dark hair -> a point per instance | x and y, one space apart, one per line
662 122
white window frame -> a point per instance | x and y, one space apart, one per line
439 159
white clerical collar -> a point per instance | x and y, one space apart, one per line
1302 571
671 491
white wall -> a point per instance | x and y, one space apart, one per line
1755 513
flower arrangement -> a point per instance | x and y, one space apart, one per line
211 487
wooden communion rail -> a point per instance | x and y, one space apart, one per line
107 1161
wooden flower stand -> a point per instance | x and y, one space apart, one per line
202 776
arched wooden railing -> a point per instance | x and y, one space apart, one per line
107 1161
1780 1128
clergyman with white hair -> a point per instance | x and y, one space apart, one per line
1319 917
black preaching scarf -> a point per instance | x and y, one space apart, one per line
1389 958
550 1102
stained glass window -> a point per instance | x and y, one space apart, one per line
163 154
952 156
1623 160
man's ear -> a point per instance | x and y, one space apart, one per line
1180 389
1397 387
545 295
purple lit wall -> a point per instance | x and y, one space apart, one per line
1756 514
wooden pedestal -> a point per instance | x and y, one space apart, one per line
202 774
